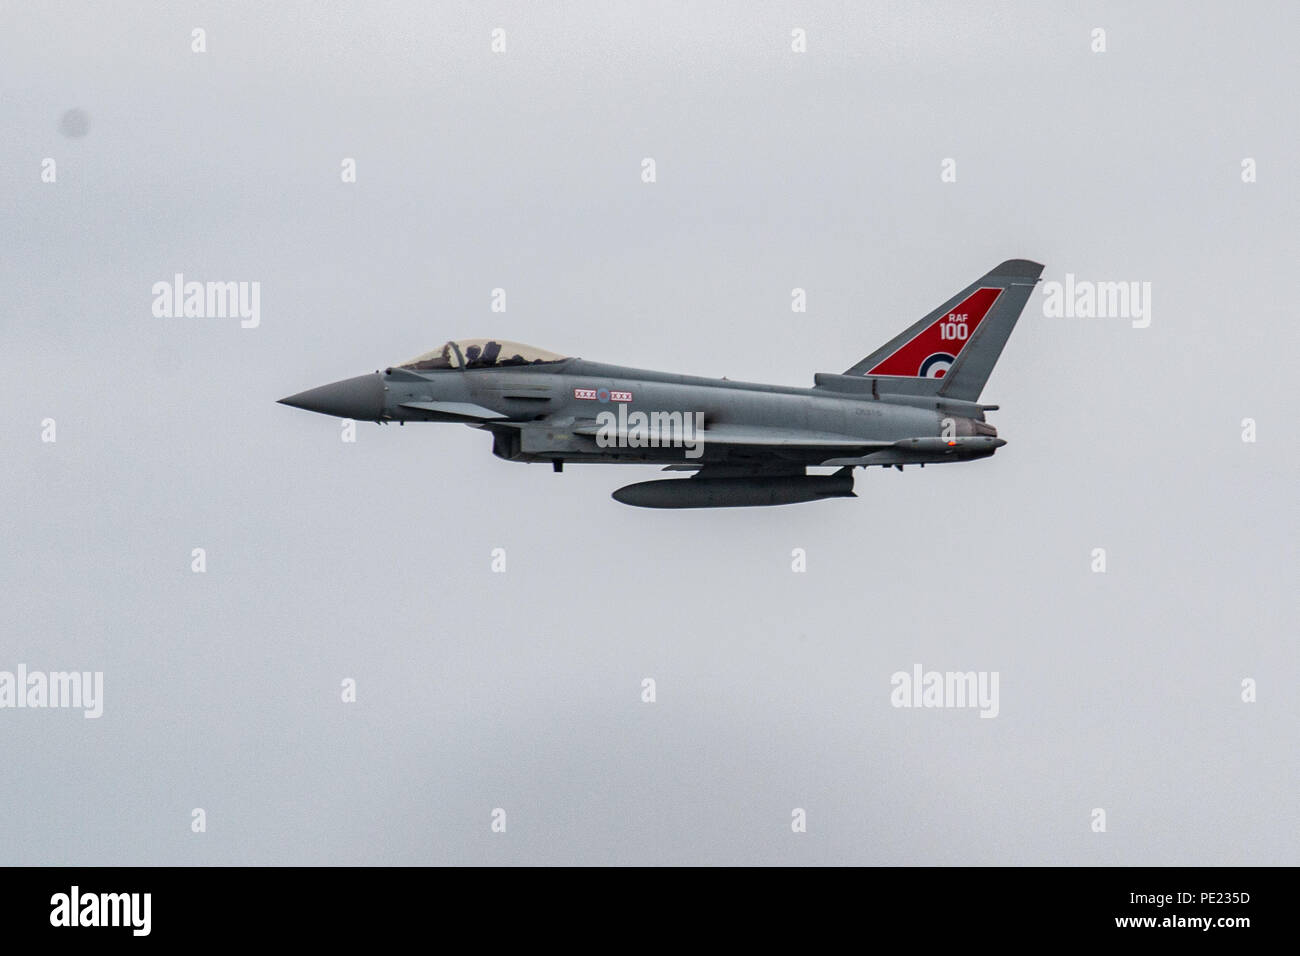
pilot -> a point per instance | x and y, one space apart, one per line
471 356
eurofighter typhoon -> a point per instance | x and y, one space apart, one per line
913 401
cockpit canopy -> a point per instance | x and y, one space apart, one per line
481 353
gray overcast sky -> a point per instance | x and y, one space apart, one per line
521 690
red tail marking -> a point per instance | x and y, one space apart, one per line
933 350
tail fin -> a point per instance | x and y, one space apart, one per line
959 342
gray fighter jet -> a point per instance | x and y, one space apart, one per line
915 400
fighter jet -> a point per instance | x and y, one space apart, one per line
914 400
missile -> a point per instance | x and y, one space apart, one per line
742 492
980 445
917 450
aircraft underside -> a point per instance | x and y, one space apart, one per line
731 476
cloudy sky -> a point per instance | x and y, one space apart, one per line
371 561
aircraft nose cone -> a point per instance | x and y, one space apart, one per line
360 398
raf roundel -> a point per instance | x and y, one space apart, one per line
936 366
